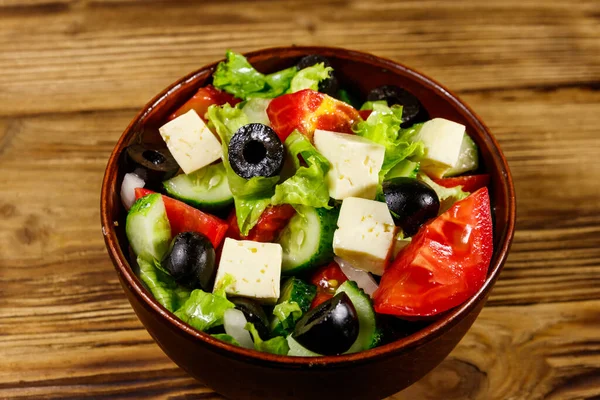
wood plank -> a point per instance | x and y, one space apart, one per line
106 55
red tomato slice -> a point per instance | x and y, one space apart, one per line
308 110
470 183
327 279
269 225
445 263
184 218
204 98
364 114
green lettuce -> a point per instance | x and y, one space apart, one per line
251 196
236 76
383 127
205 310
308 186
276 345
226 338
163 287
287 312
309 78
447 196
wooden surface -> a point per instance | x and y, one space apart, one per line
73 74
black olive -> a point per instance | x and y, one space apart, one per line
254 313
152 165
412 203
329 86
330 328
191 260
255 150
412 109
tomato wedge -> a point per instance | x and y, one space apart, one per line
327 279
308 110
204 98
445 263
269 225
470 183
364 114
184 218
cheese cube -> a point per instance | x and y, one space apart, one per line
442 140
365 234
355 164
256 268
190 142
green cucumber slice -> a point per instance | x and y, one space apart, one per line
468 160
148 229
307 240
297 350
206 188
367 324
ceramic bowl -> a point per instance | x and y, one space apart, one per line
240 373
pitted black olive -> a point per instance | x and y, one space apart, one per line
255 150
254 313
329 86
152 165
412 203
191 260
330 328
412 109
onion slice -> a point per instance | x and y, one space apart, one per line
234 322
131 181
362 278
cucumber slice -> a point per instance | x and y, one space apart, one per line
404 168
367 325
206 188
307 240
148 229
297 350
293 291
468 160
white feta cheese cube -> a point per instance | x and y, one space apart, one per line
256 268
190 142
365 234
442 140
355 164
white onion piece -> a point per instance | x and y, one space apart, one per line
130 182
362 278
234 322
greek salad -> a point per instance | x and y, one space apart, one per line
283 214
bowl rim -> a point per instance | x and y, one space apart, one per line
429 333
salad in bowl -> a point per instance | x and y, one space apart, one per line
284 213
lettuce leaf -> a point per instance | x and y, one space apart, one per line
283 312
447 196
237 77
276 345
205 310
226 338
309 78
251 196
162 286
308 186
383 127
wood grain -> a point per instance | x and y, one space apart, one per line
73 73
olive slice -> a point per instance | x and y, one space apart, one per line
255 150
330 328
152 165
412 109
412 203
254 313
191 260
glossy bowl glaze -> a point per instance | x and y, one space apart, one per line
239 373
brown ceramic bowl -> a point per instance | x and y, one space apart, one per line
245 374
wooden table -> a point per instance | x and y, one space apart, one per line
73 73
